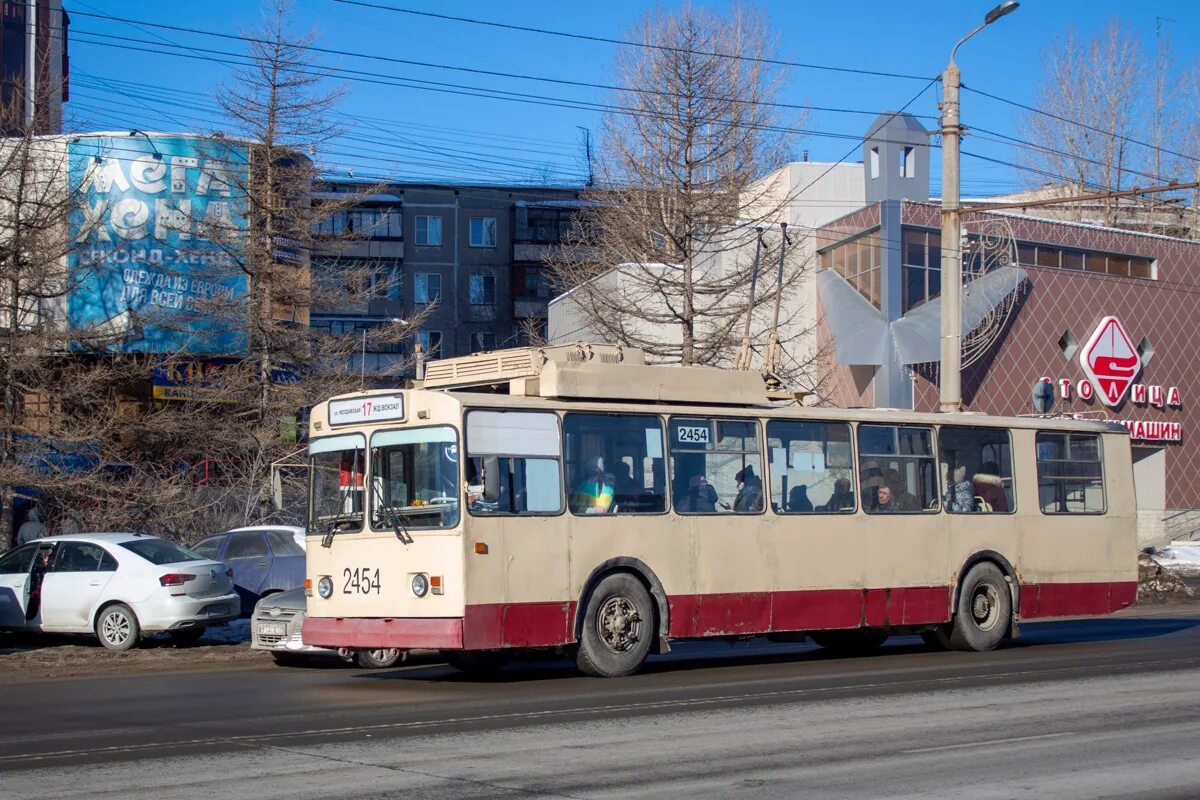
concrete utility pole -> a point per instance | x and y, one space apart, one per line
951 366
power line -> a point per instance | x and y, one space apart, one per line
362 76
1069 121
628 43
471 70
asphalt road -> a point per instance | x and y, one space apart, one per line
1092 709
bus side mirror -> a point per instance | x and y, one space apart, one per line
491 478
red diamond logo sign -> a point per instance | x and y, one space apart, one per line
1110 361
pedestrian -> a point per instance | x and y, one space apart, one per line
31 529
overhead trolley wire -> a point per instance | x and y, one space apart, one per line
629 43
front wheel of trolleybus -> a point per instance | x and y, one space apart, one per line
618 628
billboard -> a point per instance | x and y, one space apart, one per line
153 265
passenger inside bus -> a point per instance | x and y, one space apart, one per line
989 488
892 497
698 498
798 500
960 499
749 497
593 494
842 497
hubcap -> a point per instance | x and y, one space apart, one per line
619 624
985 606
116 628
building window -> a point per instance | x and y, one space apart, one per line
482 290
386 281
921 252
482 341
810 467
908 162
483 231
874 162
716 466
535 225
1043 255
359 329
431 341
1069 472
859 262
896 467
427 287
428 231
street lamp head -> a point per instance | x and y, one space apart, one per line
1005 8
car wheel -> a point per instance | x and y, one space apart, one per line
618 628
117 627
378 659
187 637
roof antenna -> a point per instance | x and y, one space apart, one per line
774 350
743 356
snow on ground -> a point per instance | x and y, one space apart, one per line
1181 558
233 632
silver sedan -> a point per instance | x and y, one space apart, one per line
275 627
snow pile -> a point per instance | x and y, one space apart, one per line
233 632
1159 583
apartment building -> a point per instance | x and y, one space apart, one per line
469 256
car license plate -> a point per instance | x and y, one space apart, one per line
272 628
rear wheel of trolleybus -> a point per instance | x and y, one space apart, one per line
618 628
984 612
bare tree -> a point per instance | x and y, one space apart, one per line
1098 87
661 257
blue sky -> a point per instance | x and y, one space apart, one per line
416 134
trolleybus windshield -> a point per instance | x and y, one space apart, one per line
414 478
338 465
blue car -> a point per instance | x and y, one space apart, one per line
264 560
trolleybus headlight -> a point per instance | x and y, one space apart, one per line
325 587
420 585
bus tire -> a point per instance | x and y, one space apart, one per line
618 628
851 643
476 663
984 609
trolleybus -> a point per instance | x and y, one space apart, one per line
576 499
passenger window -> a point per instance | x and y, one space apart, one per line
1070 476
246 545
615 464
896 469
810 467
976 470
513 463
79 557
716 466
210 547
282 544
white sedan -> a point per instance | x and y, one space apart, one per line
116 585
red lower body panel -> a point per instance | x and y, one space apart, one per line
497 625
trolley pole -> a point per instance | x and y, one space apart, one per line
951 363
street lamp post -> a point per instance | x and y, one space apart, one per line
951 366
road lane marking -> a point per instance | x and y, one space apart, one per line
965 745
584 710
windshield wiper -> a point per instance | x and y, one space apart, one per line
334 524
397 524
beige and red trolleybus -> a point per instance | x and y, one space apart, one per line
577 498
